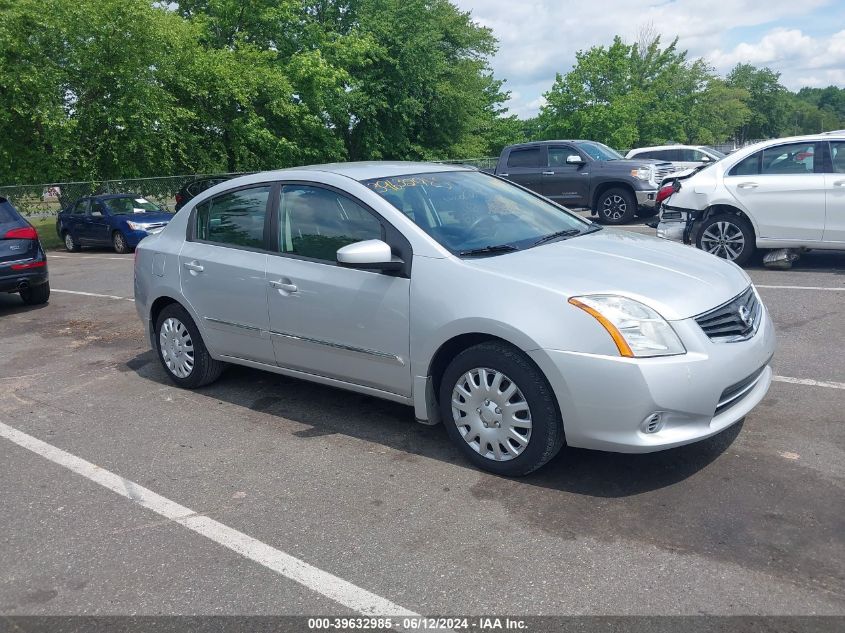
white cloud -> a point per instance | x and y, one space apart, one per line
539 38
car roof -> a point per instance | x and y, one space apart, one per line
673 146
375 169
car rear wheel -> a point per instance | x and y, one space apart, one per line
36 295
181 350
119 243
499 409
70 243
727 236
616 206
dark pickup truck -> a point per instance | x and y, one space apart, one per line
586 174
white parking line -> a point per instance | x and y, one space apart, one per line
840 289
810 383
322 582
90 294
123 259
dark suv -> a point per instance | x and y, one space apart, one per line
586 174
23 264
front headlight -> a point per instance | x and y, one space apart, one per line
643 173
136 226
637 330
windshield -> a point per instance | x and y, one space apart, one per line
598 151
470 211
716 153
128 206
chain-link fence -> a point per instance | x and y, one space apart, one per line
50 198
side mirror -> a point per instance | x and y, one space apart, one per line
705 159
574 159
369 255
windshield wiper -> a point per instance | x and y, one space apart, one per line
554 236
488 250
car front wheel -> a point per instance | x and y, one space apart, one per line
119 243
616 206
70 243
181 350
727 236
499 409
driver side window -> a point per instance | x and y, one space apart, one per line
316 222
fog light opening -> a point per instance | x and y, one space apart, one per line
653 423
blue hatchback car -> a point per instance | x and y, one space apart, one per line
119 220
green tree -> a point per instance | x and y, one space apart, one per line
767 100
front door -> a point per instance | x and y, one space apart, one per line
783 189
223 272
566 183
341 323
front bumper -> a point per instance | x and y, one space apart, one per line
606 401
646 198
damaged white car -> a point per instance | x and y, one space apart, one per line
782 194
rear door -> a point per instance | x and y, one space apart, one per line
525 166
97 230
222 266
834 229
75 220
783 189
566 183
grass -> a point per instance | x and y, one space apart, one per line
46 228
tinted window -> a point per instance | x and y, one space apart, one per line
127 206
80 208
796 158
97 209
7 213
837 153
531 157
235 218
650 154
558 155
749 166
315 222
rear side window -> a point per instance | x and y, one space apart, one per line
530 157
80 208
749 166
797 158
7 213
234 219
315 222
837 154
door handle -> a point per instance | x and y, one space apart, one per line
281 285
747 185
504 175
548 173
839 183
194 266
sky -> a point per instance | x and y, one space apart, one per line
804 40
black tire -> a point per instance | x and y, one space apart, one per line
546 433
617 205
205 369
119 243
36 295
731 227
70 244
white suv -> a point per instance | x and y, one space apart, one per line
681 156
784 193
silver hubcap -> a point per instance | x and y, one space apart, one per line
491 414
118 241
177 348
69 241
724 239
615 207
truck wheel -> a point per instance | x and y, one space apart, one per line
727 236
616 206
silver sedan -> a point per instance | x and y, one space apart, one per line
520 326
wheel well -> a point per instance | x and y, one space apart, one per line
610 185
726 208
159 305
452 348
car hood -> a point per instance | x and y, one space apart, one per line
147 217
676 280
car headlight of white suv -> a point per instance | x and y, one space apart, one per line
637 330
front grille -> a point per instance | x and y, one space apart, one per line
737 320
736 392
663 170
